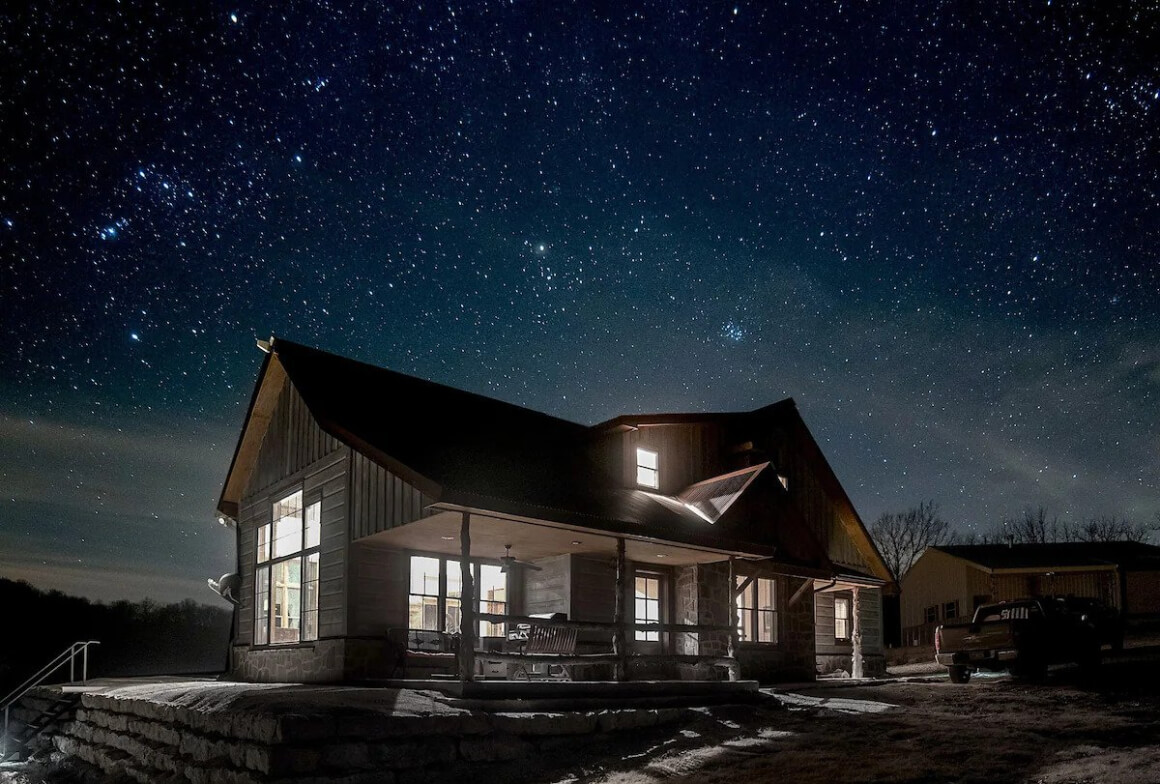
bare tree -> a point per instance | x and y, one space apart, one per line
902 537
1032 528
1110 529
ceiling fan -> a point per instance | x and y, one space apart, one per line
508 560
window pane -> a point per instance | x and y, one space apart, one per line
424 613
310 598
765 594
767 626
492 592
646 468
288 525
263 543
262 605
454 578
424 576
314 524
646 458
451 626
287 600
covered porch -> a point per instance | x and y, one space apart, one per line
578 603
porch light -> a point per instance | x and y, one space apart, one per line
447 538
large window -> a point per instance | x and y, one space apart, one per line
436 591
648 604
841 619
757 610
286 573
647 468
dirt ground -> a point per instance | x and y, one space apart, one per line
1062 730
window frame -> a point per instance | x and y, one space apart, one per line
653 471
268 559
930 614
442 598
645 635
755 610
951 609
846 619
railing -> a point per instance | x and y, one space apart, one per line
69 655
621 657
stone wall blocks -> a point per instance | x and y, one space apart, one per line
494 748
544 723
296 728
614 720
437 750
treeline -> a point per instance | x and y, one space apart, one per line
137 638
901 537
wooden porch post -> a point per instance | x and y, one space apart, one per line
466 603
856 636
731 650
619 645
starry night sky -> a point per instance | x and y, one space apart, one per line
935 227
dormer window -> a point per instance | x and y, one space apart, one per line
647 474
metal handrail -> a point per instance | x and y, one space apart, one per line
69 654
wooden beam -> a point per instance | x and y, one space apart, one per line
466 603
856 637
619 645
740 589
800 592
731 648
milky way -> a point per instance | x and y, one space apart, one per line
935 227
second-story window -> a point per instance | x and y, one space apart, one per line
647 473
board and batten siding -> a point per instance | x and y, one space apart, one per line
378 589
296 453
870 615
380 500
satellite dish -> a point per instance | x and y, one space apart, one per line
508 560
227 587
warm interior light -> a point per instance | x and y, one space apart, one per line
447 538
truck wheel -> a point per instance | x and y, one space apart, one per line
959 674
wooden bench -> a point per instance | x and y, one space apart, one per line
533 638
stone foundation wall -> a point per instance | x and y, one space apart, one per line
873 665
146 741
325 661
703 596
318 662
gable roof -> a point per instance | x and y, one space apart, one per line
465 449
1129 555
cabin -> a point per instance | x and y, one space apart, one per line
950 581
390 527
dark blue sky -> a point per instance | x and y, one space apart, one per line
936 227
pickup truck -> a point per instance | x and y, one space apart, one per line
1026 635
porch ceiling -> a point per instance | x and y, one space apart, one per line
532 540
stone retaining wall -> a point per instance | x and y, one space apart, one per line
148 741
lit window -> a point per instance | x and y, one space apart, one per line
286 582
648 604
841 619
647 474
436 595
757 611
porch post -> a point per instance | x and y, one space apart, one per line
466 603
619 646
856 636
731 649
